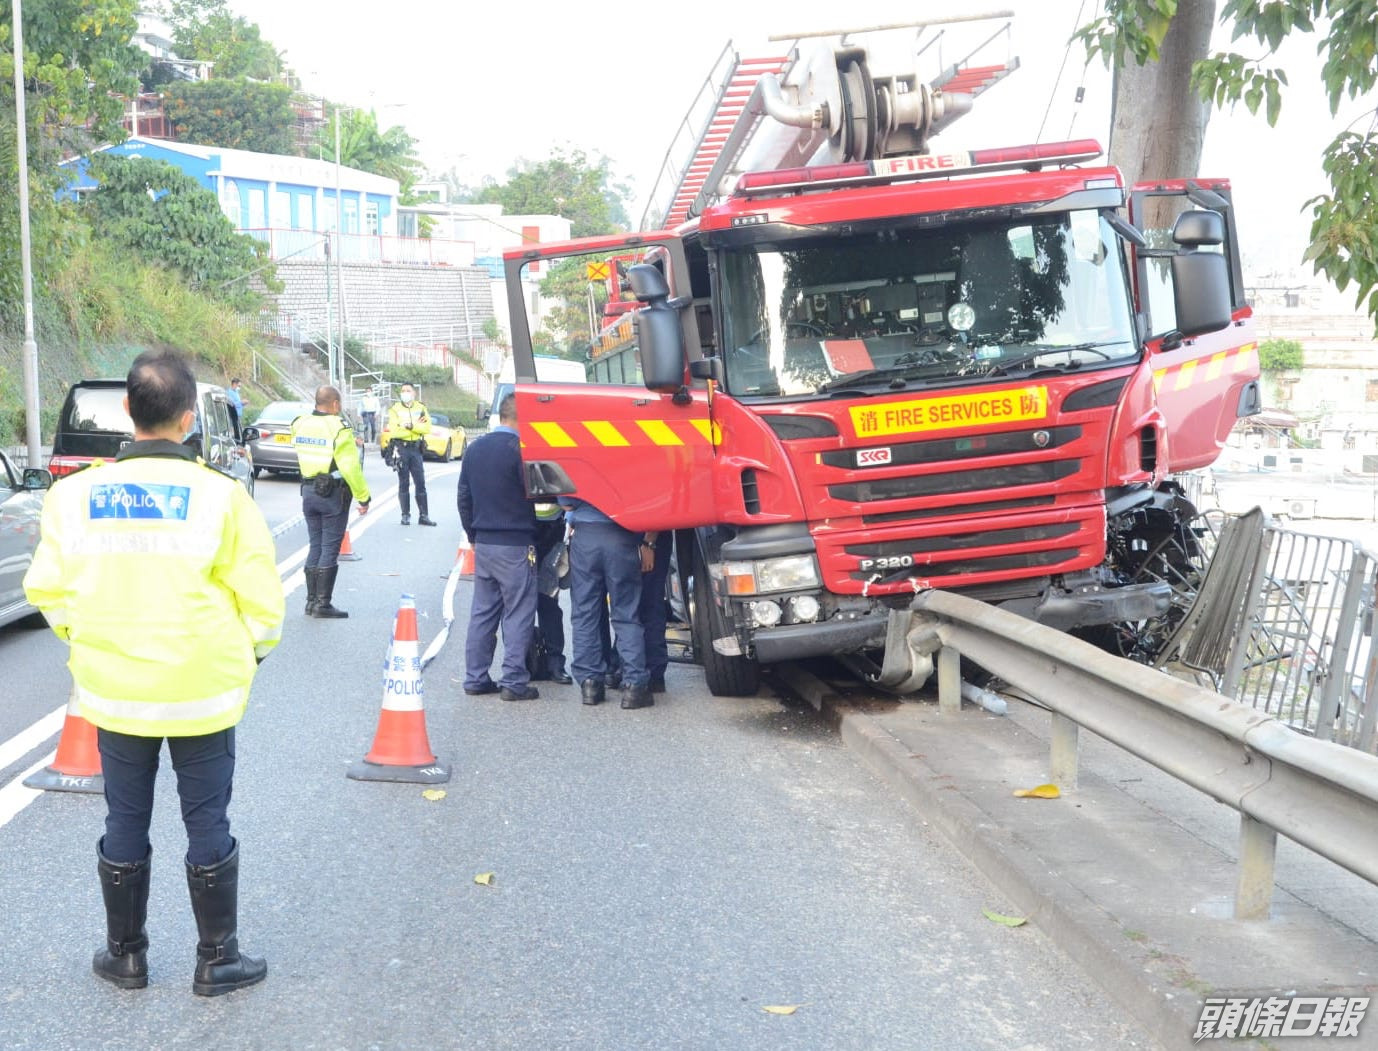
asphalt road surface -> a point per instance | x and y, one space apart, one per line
659 877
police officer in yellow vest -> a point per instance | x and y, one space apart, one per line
330 472
158 572
408 425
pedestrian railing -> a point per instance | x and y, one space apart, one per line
1316 793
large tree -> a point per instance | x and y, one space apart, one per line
1344 228
235 114
571 185
166 217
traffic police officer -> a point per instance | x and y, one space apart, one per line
330 471
500 522
158 572
408 425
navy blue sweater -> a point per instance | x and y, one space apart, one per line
493 507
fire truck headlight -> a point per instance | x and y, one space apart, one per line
804 608
765 613
786 574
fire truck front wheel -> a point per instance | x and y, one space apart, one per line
727 676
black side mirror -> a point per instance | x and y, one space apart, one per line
37 478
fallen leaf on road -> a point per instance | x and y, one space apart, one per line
1008 921
433 794
1041 792
782 1009
485 878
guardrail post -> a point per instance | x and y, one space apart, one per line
1062 759
949 681
1257 853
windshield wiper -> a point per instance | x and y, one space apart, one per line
1002 367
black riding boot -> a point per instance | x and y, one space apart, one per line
325 590
124 885
312 584
220 967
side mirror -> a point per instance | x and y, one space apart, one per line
658 332
37 478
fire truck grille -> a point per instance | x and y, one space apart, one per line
965 566
984 538
951 483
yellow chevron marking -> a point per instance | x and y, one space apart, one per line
659 432
554 435
606 433
711 432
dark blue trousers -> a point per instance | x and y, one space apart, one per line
411 468
327 518
205 778
605 566
504 594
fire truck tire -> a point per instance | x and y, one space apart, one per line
726 676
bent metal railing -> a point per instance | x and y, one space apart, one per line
1316 793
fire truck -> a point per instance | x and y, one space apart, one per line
859 369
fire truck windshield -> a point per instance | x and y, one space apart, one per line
862 312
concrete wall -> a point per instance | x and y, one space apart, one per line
424 304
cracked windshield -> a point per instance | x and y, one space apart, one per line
897 309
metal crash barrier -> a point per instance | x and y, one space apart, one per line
1316 793
1283 623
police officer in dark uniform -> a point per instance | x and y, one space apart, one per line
330 471
500 522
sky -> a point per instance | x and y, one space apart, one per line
482 85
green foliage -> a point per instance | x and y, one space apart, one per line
77 60
166 217
391 153
573 186
238 114
206 30
1344 227
1277 355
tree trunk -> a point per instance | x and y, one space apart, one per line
1157 123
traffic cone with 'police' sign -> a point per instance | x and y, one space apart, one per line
401 750
76 767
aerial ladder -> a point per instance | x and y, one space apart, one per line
827 99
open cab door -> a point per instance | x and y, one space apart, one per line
635 439
1200 335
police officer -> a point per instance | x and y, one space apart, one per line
158 572
500 522
408 424
330 472
605 566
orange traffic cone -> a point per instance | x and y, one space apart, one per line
347 551
401 750
76 767
464 557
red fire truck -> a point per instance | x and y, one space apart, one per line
861 369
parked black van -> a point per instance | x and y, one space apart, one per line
94 425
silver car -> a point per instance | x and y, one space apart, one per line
21 503
270 436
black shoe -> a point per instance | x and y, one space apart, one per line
657 684
592 690
524 693
220 967
406 518
562 677
483 688
637 697
423 520
124 960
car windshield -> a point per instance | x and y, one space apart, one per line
283 411
866 312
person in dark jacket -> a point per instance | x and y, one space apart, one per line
500 523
